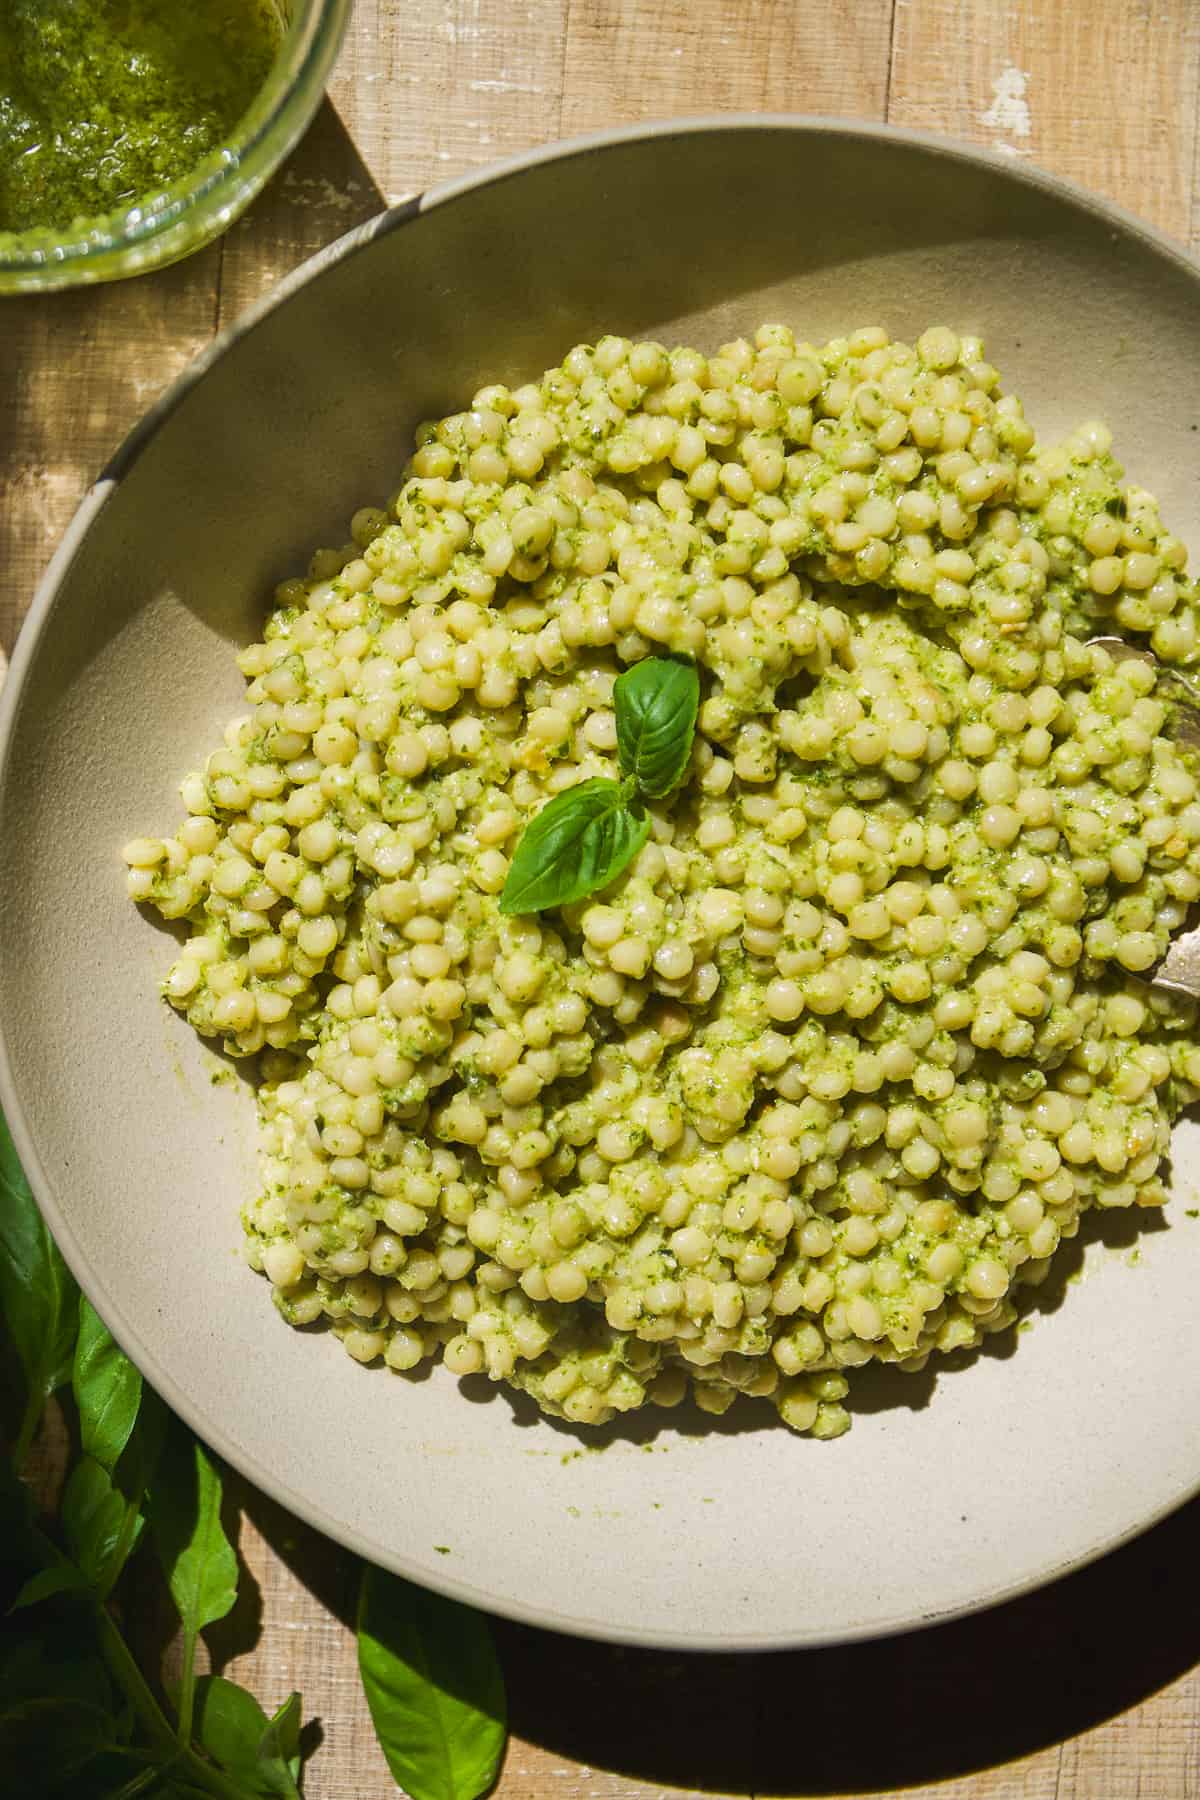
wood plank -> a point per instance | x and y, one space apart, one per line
532 1773
1160 1741
1034 1778
432 88
293 1630
76 370
1105 93
421 93
646 59
324 190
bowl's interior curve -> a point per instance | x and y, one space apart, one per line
947 1492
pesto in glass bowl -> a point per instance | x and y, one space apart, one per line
134 131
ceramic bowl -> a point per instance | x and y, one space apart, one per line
952 1490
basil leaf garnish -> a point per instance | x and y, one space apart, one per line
579 842
584 838
656 705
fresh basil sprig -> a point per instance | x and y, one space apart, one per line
78 1716
584 837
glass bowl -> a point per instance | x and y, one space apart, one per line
163 226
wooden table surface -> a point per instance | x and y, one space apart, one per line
1091 1689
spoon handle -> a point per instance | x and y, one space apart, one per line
1179 970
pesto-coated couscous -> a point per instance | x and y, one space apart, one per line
841 1056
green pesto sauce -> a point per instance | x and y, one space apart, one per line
104 101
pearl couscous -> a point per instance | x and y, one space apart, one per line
832 1067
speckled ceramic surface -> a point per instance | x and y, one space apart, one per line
952 1489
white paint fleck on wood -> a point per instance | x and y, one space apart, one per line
1009 113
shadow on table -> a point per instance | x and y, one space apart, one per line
899 1711
860 1718
872 1718
322 191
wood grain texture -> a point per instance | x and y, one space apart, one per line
76 370
641 59
1089 1690
433 89
1103 92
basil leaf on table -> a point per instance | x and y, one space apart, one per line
108 1389
77 1715
102 1510
656 703
237 1734
100 1536
434 1688
198 1560
38 1297
138 1461
578 843
282 1736
229 1721
128 1481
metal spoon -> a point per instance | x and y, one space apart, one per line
1179 970
1185 723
